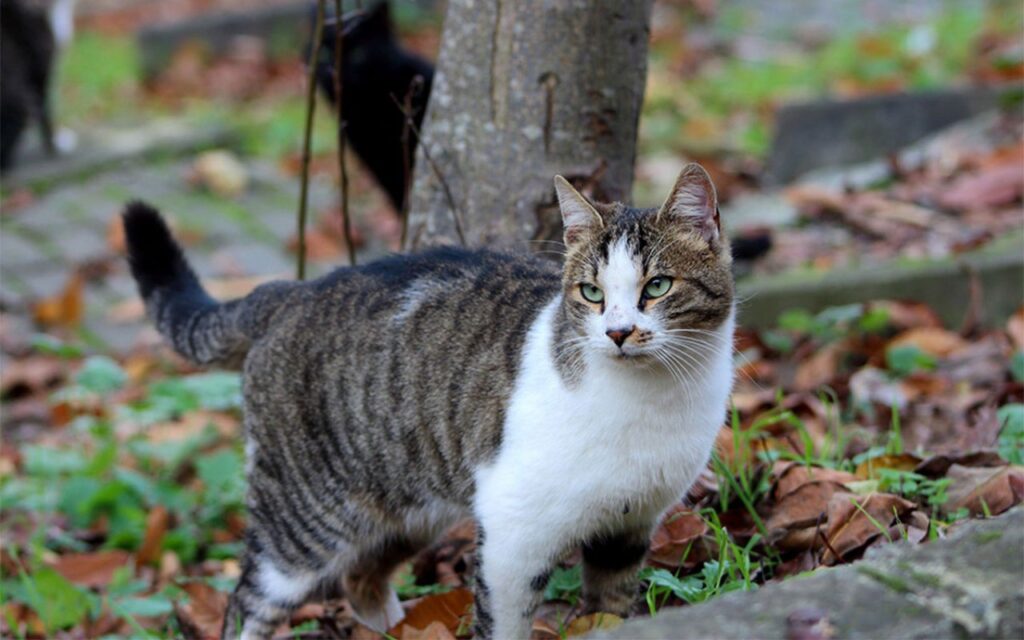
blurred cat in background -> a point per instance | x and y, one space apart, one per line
32 33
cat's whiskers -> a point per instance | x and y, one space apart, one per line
678 373
711 349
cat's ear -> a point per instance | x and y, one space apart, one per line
693 200
578 215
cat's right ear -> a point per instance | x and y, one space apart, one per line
578 215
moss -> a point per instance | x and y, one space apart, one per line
894 583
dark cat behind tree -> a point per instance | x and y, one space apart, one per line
376 72
374 68
27 52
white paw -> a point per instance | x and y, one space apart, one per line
380 620
66 140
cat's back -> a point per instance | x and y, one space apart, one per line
407 357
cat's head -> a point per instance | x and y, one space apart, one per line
646 284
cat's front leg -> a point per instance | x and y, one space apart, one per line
610 566
513 566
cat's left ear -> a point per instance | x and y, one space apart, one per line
578 215
694 200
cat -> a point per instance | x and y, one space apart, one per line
561 407
31 36
376 72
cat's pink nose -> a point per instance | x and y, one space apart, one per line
619 336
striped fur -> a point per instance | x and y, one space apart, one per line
384 401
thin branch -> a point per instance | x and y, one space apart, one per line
318 30
456 216
414 87
346 223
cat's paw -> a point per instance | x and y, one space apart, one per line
383 618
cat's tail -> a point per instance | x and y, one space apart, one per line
197 326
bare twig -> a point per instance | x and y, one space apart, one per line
456 216
415 87
346 223
318 30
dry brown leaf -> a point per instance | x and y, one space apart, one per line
937 466
803 507
115 235
591 622
31 375
934 341
1015 327
820 368
792 475
436 630
988 491
852 521
157 523
676 537
91 569
991 187
868 470
205 608
320 246
191 424
908 315
801 540
64 309
221 172
447 608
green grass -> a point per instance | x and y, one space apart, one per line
728 104
97 79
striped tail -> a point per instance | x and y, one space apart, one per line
197 326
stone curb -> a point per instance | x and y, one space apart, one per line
945 286
970 585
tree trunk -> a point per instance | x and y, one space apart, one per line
526 90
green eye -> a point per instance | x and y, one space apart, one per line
591 293
658 286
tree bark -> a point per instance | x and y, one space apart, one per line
525 90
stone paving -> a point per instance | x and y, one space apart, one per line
66 228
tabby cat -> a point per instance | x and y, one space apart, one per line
382 402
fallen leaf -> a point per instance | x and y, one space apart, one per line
868 470
27 376
115 235
934 341
64 309
591 622
436 630
676 537
819 369
221 172
91 569
205 608
1015 327
447 608
937 466
907 315
792 475
994 186
984 490
855 521
156 526
803 507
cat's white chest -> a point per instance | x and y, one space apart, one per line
613 451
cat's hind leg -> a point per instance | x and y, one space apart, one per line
366 583
264 598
